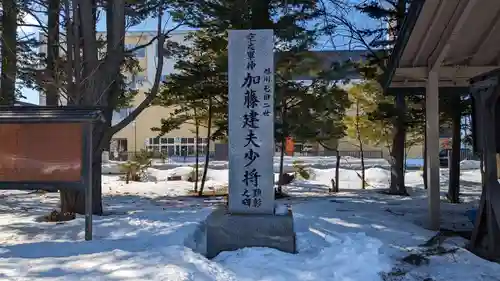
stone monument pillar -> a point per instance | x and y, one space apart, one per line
250 219
251 121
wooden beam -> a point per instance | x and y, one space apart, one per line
486 36
436 16
436 59
445 72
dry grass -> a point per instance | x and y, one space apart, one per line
56 216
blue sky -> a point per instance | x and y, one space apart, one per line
150 25
31 96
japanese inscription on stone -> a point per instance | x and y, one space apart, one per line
251 121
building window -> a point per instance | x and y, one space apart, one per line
177 146
141 53
118 145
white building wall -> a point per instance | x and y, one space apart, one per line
169 63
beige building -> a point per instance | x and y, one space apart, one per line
139 134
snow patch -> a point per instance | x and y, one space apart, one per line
470 165
378 177
111 168
344 259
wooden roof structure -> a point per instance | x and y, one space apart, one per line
457 38
449 44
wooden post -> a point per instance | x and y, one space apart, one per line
88 188
432 155
485 239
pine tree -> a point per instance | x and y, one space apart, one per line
198 89
325 112
295 27
391 14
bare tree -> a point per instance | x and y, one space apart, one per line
8 52
94 77
391 14
52 59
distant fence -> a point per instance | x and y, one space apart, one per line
413 163
342 153
221 154
468 155
366 154
130 155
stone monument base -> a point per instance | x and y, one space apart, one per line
228 232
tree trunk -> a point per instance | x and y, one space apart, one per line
360 142
398 149
52 90
363 176
282 148
454 183
196 151
8 52
424 174
73 201
407 151
261 18
282 156
337 170
207 152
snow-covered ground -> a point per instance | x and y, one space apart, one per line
353 235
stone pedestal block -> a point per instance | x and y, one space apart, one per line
229 232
